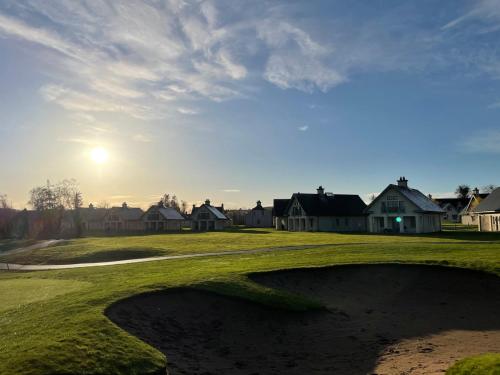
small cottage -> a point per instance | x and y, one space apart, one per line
325 212
259 217
208 218
280 221
488 212
159 218
400 209
123 219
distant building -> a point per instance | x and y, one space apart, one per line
488 212
452 207
159 218
400 209
238 216
123 219
259 217
324 212
208 218
467 215
280 219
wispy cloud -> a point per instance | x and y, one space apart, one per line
487 141
187 111
231 190
144 138
303 128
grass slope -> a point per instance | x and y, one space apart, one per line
98 249
68 333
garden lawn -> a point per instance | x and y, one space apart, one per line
53 322
100 249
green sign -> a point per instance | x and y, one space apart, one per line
398 219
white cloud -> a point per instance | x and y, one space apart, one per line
231 190
303 128
483 142
144 138
187 111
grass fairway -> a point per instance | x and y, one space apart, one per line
100 249
43 331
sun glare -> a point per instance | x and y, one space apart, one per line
99 155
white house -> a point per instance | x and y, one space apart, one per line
159 218
259 217
400 209
488 212
207 218
467 215
325 212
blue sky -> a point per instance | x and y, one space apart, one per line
238 101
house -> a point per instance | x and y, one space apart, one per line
159 218
207 218
91 220
467 215
452 207
280 221
400 209
123 219
488 212
259 217
325 212
238 216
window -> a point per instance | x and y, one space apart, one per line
203 216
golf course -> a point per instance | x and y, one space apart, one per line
409 298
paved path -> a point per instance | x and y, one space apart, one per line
38 245
46 267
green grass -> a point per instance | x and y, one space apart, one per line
6 245
54 321
486 364
97 249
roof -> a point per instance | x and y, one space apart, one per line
215 211
489 204
330 204
170 213
279 206
127 213
93 214
455 202
423 202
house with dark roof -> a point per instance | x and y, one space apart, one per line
401 209
325 212
467 215
259 217
208 218
159 218
452 207
488 211
123 219
280 221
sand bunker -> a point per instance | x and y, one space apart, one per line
381 319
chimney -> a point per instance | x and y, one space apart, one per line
207 202
259 204
124 205
91 206
475 191
320 190
403 182
222 206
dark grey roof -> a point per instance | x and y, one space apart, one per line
170 213
422 201
279 207
330 204
219 215
127 213
489 204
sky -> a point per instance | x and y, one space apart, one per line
239 101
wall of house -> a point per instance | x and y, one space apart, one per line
204 220
280 222
259 219
381 220
489 222
469 219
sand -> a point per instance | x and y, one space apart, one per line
380 319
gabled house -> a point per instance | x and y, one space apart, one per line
159 218
280 221
208 218
452 207
123 219
488 212
325 212
259 217
467 215
401 209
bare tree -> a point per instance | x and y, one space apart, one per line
4 203
462 191
61 195
489 188
103 204
184 207
170 201
372 197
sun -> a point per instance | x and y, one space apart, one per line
99 155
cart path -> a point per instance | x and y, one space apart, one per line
36 246
46 267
